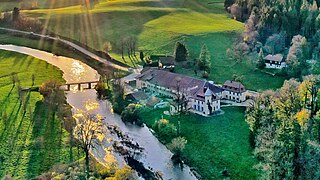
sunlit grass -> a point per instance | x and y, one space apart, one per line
191 22
31 141
148 20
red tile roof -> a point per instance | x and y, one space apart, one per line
233 86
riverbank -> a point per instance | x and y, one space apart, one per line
32 141
155 156
55 46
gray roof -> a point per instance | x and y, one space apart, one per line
194 87
140 95
167 60
233 86
277 57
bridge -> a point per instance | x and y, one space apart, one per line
79 85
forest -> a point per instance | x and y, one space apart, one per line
285 123
288 27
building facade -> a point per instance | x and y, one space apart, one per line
203 97
233 91
275 61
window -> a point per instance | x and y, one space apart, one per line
201 108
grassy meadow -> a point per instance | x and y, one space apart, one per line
214 144
32 141
157 25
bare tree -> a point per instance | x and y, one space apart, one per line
33 78
131 44
107 47
87 130
180 98
53 96
122 46
14 79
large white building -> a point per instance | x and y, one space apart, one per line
203 96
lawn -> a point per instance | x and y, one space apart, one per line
223 68
215 143
32 142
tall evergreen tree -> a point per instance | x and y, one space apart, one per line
181 52
204 59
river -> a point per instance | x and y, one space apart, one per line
155 155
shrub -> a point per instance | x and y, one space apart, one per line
205 74
177 145
102 91
165 130
131 114
125 173
118 102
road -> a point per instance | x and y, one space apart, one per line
71 44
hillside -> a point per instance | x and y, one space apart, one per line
156 25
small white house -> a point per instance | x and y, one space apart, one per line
275 61
234 91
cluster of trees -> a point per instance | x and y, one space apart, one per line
203 63
18 21
118 98
127 45
131 114
274 25
285 131
75 171
53 95
167 133
165 130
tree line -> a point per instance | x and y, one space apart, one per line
285 130
277 25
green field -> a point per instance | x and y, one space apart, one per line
223 68
157 25
215 143
32 142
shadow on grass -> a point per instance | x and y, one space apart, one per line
46 136
3 103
